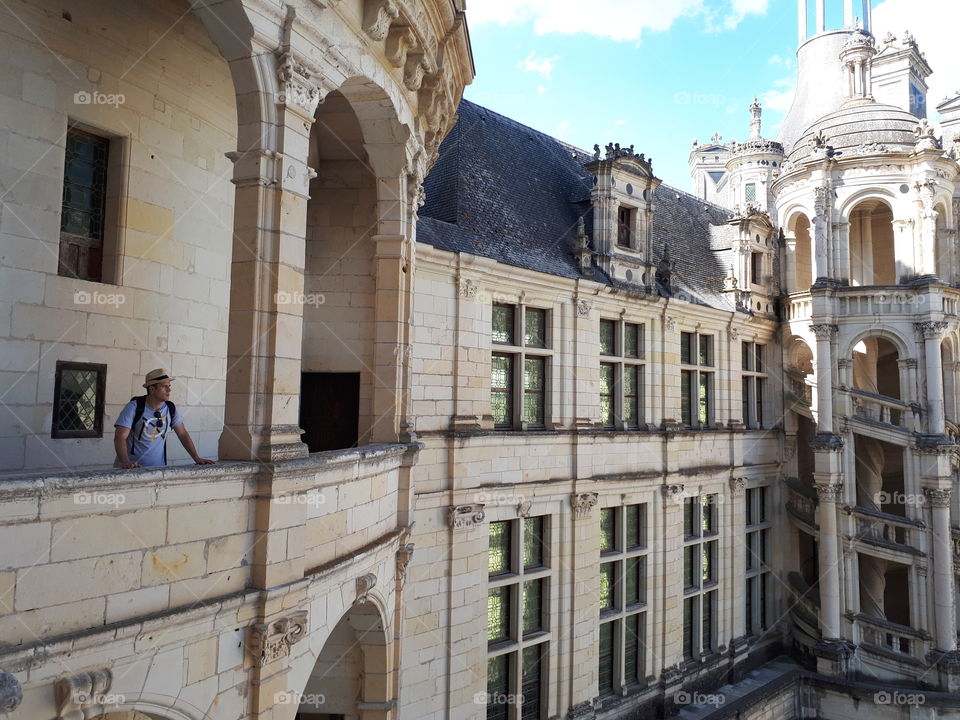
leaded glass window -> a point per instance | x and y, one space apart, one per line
608 334
501 390
78 404
498 687
533 541
606 657
535 322
607 583
607 374
83 209
758 572
503 324
532 606
631 340
608 529
533 383
532 681
498 614
499 552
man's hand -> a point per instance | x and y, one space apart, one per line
127 464
203 461
120 445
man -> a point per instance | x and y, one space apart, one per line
140 436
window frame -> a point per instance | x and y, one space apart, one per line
700 540
521 351
629 228
101 369
757 573
753 384
621 363
516 578
618 615
695 373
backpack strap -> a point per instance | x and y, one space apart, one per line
141 401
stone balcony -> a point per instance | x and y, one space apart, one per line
97 549
891 536
868 303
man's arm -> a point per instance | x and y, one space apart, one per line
120 445
187 442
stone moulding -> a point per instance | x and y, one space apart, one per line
466 516
271 641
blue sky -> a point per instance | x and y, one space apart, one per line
658 73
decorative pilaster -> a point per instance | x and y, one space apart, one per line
938 499
932 332
825 334
828 494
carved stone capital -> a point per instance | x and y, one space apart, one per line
297 88
76 694
930 330
466 516
824 331
583 503
734 333
672 492
523 509
826 442
404 556
267 642
670 323
828 493
937 497
907 364
11 694
737 486
583 308
468 288
844 363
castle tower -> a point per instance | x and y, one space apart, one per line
821 87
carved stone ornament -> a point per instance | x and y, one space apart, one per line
466 516
583 308
930 330
922 570
670 323
583 503
826 442
824 331
296 88
377 17
11 694
365 583
672 492
271 641
75 694
737 486
400 41
828 493
937 497
523 509
404 556
734 333
468 289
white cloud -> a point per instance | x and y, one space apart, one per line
614 19
621 122
541 90
936 35
780 97
544 66
562 130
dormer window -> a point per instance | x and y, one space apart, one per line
626 217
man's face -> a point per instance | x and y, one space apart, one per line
160 391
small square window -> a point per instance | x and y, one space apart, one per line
78 400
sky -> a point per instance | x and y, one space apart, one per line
658 73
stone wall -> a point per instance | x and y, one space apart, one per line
146 76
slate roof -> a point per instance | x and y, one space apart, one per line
505 191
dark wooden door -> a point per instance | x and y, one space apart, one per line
329 410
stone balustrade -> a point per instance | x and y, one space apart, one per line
799 307
882 409
801 501
891 637
889 531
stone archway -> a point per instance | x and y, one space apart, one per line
873 258
352 678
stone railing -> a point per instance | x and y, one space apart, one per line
800 388
799 306
892 637
882 409
890 531
801 501
804 610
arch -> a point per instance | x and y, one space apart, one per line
872 255
948 360
903 345
354 669
800 270
876 368
944 254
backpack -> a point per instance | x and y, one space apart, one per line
141 401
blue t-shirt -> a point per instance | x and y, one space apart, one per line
146 441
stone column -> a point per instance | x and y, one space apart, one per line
736 521
822 208
943 581
266 285
829 558
825 334
931 333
